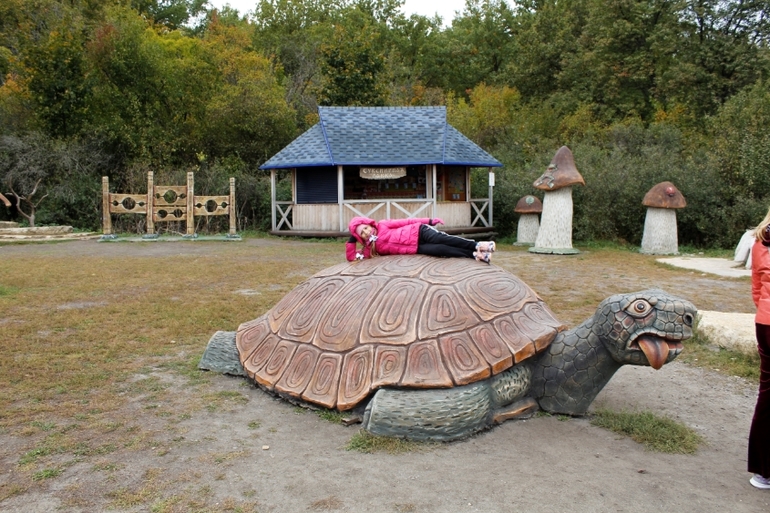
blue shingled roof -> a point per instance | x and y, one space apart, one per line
381 136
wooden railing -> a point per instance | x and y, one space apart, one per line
479 205
333 217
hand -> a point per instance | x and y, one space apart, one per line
437 220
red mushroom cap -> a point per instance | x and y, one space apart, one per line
664 195
529 205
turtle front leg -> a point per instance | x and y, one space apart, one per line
522 409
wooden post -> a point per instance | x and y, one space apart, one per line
272 197
232 207
150 203
341 197
106 219
433 188
190 204
491 193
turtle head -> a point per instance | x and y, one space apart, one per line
645 328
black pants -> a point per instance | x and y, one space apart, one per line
435 243
759 436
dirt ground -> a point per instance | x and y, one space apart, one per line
262 454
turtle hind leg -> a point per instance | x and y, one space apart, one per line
221 355
522 409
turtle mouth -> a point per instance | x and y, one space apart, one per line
658 350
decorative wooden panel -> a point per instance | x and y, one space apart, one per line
299 371
211 205
519 343
279 360
301 325
392 318
444 311
492 347
289 303
492 293
323 386
424 368
250 335
340 321
260 355
356 378
465 362
389 365
128 203
448 270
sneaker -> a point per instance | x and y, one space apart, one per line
486 246
760 482
481 256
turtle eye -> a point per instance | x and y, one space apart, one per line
639 307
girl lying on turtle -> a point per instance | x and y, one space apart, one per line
410 236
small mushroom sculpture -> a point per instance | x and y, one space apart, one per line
555 234
529 221
660 235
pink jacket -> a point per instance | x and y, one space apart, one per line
394 236
760 282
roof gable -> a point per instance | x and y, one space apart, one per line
383 136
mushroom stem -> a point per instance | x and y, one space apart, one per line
660 234
555 234
529 225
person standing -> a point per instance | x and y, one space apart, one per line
759 435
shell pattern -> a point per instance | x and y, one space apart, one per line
398 321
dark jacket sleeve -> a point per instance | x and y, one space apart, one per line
350 249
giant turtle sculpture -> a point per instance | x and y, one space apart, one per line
438 349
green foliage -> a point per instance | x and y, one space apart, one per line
352 67
659 434
641 91
57 82
367 443
246 114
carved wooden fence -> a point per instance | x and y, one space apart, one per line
165 203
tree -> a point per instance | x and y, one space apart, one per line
353 67
476 48
58 81
24 167
624 48
247 114
150 89
546 37
721 49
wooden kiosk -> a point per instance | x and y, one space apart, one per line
383 163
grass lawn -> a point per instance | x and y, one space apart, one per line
89 328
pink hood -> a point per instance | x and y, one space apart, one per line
356 222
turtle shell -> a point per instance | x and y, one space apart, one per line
407 321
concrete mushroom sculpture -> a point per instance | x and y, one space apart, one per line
529 207
555 234
660 234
